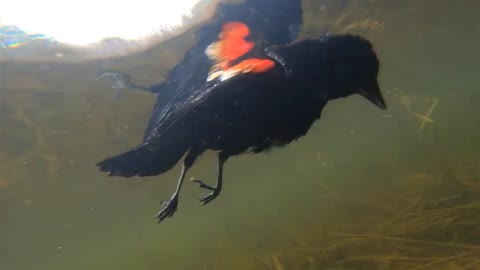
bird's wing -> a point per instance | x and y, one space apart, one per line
181 110
269 22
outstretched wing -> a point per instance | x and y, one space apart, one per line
269 22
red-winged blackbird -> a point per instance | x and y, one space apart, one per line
247 102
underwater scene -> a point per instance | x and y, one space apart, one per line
387 180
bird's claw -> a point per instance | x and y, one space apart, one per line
210 196
169 208
119 80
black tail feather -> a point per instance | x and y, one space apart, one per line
143 160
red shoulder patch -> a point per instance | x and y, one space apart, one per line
230 46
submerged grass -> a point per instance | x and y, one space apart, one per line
427 230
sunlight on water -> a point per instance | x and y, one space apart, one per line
365 189
87 21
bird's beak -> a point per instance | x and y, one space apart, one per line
374 95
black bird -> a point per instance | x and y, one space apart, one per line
269 22
252 112
253 98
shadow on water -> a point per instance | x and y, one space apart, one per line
364 189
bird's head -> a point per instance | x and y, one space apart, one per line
352 67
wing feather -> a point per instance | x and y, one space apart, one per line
271 22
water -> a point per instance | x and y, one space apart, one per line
365 189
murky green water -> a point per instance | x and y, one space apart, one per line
365 189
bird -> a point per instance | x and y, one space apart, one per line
247 98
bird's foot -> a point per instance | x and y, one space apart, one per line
169 208
118 81
209 196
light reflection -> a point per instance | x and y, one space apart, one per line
87 21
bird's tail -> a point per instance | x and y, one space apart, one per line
143 160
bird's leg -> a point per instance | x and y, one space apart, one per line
215 190
170 206
120 80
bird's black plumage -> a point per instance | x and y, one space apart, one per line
249 112
271 22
